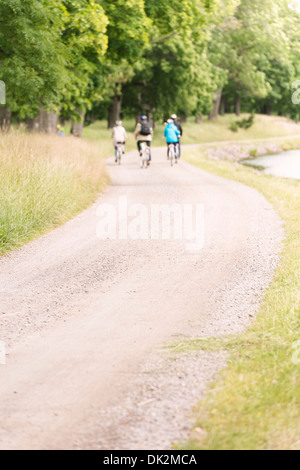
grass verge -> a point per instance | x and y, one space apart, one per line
264 127
256 402
45 181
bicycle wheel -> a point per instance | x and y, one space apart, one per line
119 155
176 155
147 157
171 155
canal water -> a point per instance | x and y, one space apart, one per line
285 164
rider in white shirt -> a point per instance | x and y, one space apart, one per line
119 136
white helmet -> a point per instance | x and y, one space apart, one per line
119 123
174 116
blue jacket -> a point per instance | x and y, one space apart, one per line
171 134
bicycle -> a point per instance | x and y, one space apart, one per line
173 154
144 159
119 153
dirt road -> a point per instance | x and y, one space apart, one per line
85 320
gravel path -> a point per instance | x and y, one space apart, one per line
87 321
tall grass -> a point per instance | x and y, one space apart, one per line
45 180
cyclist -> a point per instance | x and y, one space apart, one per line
179 127
171 135
144 133
119 136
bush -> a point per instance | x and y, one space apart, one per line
243 123
247 123
234 127
253 153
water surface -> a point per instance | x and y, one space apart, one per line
285 164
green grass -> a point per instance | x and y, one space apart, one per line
45 181
256 402
98 132
209 131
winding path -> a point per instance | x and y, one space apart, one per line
84 319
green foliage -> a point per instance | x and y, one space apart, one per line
128 35
48 52
253 153
258 48
157 57
174 73
127 29
32 56
234 127
84 36
245 123
283 69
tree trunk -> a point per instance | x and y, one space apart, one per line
45 122
115 110
269 109
77 126
151 120
32 124
199 119
216 105
5 118
223 106
48 121
237 106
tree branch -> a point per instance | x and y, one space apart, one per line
164 38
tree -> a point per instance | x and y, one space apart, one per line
246 44
185 56
84 37
174 73
282 69
49 51
32 57
127 37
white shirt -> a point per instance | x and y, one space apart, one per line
119 134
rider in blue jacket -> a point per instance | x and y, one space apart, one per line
171 134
